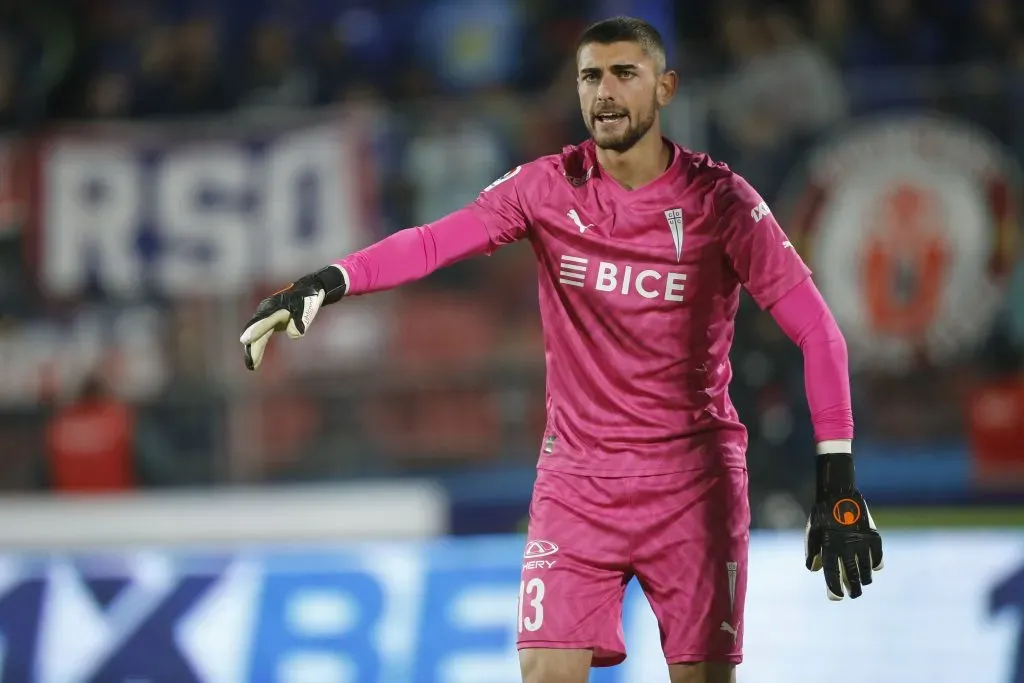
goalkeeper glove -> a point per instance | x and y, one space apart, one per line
290 310
840 536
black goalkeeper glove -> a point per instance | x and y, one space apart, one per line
291 310
840 536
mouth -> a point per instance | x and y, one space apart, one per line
609 118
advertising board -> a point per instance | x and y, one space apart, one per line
946 608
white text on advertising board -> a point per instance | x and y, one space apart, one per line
196 218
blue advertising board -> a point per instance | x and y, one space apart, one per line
947 607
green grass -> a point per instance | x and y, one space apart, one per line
936 517
916 518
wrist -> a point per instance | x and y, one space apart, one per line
333 281
835 446
835 475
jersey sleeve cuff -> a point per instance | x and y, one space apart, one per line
835 446
344 276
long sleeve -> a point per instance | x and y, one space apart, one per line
497 217
755 245
414 253
805 318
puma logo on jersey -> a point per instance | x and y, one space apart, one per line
760 211
728 628
575 218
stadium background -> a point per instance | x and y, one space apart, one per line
353 512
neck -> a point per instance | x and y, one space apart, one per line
638 165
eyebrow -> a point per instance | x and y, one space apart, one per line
614 68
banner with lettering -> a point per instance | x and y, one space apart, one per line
946 609
183 210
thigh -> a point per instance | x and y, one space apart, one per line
575 567
704 672
690 557
546 665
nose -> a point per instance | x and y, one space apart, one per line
604 91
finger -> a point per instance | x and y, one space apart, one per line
875 550
864 565
833 575
262 327
812 547
250 362
851 575
254 351
816 564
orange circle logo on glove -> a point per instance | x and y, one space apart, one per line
846 511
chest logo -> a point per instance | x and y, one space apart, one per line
605 276
575 218
675 224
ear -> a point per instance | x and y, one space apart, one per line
668 82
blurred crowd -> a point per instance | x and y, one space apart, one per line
158 58
494 76
473 87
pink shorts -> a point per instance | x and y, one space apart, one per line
684 536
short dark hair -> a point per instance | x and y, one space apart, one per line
625 30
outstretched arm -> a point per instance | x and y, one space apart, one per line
414 253
497 217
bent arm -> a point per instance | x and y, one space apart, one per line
806 319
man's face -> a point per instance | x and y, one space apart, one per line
621 91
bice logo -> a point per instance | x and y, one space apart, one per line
610 277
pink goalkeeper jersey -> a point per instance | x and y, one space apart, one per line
638 295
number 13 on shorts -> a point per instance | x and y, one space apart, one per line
531 604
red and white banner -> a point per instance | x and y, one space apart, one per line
909 224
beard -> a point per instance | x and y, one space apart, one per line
626 136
